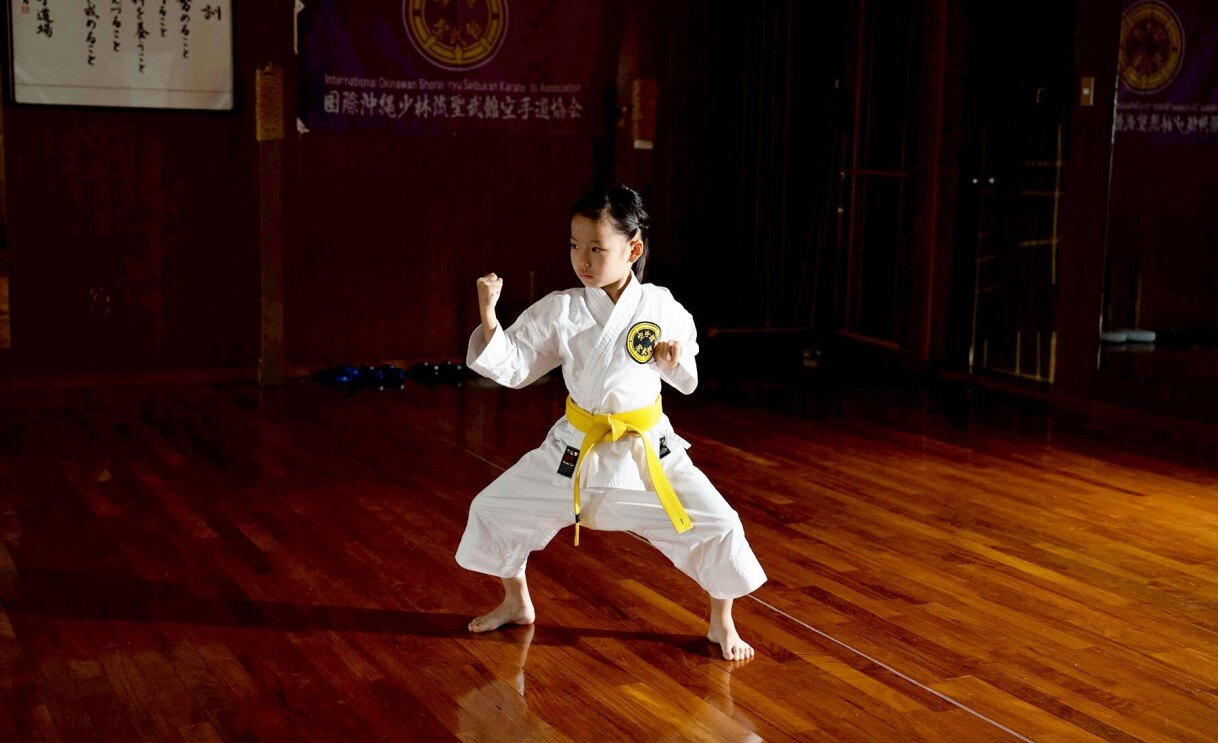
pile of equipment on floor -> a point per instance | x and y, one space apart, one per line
1169 338
353 379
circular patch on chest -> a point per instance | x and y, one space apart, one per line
641 341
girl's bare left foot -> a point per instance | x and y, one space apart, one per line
730 644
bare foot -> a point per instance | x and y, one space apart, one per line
730 643
509 612
723 632
516 608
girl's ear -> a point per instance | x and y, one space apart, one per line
636 249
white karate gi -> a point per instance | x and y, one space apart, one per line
587 334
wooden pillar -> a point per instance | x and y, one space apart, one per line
6 327
940 105
1084 227
638 93
269 130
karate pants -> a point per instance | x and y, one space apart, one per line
522 510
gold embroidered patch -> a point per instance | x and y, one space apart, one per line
641 341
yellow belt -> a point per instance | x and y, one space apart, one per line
598 428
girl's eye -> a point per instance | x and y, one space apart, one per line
596 250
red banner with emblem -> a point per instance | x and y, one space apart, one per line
1168 64
445 67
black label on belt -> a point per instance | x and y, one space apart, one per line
566 467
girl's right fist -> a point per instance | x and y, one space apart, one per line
490 287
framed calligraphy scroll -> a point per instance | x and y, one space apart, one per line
135 53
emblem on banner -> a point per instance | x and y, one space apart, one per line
641 341
456 34
1152 46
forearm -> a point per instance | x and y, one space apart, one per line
490 323
683 378
490 287
675 361
509 357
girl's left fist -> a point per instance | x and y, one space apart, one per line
667 354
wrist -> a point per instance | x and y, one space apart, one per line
490 323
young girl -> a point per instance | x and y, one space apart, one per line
613 462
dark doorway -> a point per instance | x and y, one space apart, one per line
1017 95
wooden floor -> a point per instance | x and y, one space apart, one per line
219 563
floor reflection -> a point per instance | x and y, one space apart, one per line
719 694
498 710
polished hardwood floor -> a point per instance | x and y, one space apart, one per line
216 562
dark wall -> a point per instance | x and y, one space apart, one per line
750 108
134 235
1140 210
134 244
389 236
1162 274
123 257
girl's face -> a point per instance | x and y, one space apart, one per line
601 256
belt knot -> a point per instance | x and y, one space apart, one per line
612 427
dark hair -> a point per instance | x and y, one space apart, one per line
623 207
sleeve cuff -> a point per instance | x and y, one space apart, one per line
483 355
684 378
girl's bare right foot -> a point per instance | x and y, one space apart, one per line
516 608
509 612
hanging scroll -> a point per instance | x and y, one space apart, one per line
137 53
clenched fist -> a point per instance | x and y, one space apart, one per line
490 287
667 354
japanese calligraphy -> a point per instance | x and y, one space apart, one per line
45 22
108 52
1168 123
91 19
185 27
141 32
116 21
451 106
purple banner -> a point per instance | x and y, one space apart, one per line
1168 64
444 67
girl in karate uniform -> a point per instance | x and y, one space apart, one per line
613 462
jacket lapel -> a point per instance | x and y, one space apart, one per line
613 319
